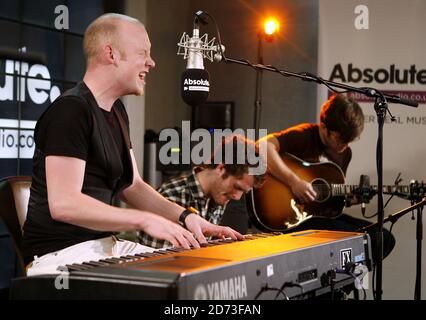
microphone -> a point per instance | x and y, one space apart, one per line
364 192
417 191
364 182
195 85
195 80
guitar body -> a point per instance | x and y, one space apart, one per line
274 208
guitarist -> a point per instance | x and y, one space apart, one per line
341 123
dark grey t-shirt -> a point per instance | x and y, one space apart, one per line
66 129
304 142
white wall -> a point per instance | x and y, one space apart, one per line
135 106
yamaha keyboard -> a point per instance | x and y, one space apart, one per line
263 266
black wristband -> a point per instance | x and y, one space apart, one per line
183 216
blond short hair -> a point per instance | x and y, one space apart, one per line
103 29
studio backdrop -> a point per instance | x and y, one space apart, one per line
380 44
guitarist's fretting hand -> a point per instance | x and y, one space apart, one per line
303 190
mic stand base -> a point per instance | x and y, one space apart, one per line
380 106
419 239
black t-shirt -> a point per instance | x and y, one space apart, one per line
304 142
66 129
112 120
70 127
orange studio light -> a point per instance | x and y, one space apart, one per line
271 25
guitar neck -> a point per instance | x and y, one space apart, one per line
345 189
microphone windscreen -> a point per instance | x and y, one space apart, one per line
195 86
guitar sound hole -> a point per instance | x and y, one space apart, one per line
322 188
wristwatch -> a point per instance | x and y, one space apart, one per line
183 216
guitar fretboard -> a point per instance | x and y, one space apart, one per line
325 190
344 189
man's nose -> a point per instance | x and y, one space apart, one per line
150 62
236 195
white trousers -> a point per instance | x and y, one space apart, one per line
91 250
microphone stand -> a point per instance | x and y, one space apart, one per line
415 197
419 238
381 108
258 95
258 89
395 216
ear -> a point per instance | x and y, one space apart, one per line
324 129
108 54
220 169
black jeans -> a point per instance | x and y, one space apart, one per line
348 223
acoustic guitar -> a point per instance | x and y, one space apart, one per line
273 206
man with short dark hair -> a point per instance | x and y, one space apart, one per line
341 123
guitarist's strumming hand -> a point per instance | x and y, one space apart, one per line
303 190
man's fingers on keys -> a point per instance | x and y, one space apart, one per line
182 240
192 239
236 234
200 237
174 242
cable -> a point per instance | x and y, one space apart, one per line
374 282
218 36
375 214
355 277
390 229
289 285
397 181
267 288
364 294
350 269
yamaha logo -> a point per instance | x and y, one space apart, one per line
200 292
227 289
